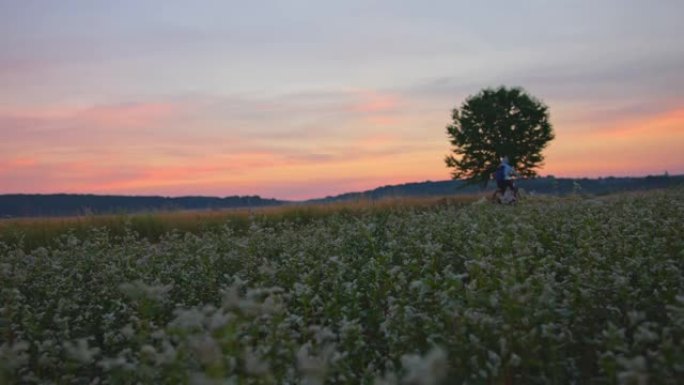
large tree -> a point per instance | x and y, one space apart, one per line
496 123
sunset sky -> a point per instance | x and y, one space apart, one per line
303 99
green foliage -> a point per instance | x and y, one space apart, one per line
496 123
565 291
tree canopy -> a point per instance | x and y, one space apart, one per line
495 123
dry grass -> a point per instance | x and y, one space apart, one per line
30 233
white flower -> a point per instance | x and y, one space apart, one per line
111 363
187 319
127 331
634 372
644 335
218 320
139 290
254 364
199 378
426 370
15 355
6 269
515 360
148 351
80 351
387 379
167 355
206 348
314 368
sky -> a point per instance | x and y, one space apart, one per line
307 98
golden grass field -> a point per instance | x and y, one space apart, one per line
43 231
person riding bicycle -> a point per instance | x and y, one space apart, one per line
504 177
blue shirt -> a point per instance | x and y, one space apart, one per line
508 171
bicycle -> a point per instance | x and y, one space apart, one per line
509 196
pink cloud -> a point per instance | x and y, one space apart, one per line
666 123
635 146
17 164
375 102
128 115
54 133
21 162
378 108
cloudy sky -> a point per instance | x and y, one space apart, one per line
307 98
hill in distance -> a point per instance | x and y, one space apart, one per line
545 185
40 205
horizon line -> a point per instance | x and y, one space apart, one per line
664 174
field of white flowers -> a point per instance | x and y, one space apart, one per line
583 291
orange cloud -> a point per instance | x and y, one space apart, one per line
13 164
22 162
378 140
152 173
623 147
259 172
670 122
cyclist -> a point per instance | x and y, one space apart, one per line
504 178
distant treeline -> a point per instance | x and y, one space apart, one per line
32 205
25 205
544 185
